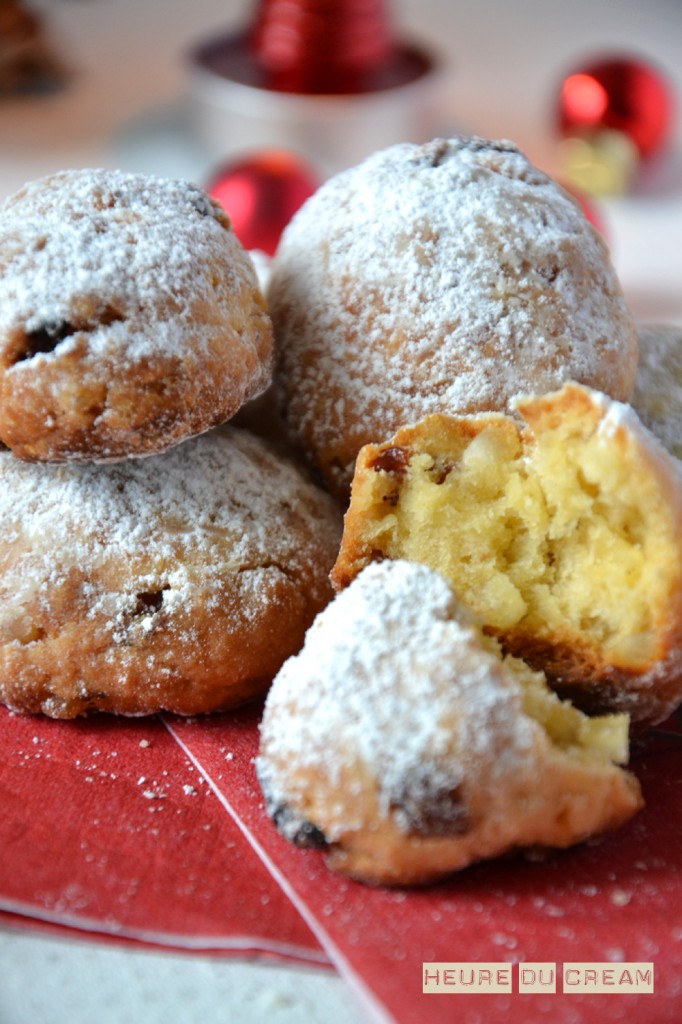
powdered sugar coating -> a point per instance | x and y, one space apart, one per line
389 677
124 238
658 389
121 291
438 278
399 741
167 575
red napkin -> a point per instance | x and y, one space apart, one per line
616 899
106 826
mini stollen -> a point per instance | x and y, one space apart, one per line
130 317
402 744
447 278
178 582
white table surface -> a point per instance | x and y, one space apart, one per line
126 107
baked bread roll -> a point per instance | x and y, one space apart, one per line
561 530
447 278
180 582
401 742
657 397
130 317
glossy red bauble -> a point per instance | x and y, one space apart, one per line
261 193
620 94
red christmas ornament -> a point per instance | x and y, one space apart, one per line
317 47
618 94
260 195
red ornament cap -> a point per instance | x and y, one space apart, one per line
317 48
621 94
261 193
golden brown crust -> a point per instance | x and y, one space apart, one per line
221 660
557 813
130 317
590 657
179 583
565 803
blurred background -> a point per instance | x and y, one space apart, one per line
125 89
123 83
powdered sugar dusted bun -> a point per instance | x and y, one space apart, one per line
400 742
130 317
439 278
179 582
561 529
658 389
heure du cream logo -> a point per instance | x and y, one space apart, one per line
467 978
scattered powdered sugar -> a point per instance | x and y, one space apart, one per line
658 388
141 252
390 680
444 277
163 532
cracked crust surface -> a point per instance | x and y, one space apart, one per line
130 317
443 278
180 582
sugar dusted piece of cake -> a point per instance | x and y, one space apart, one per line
560 529
402 742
